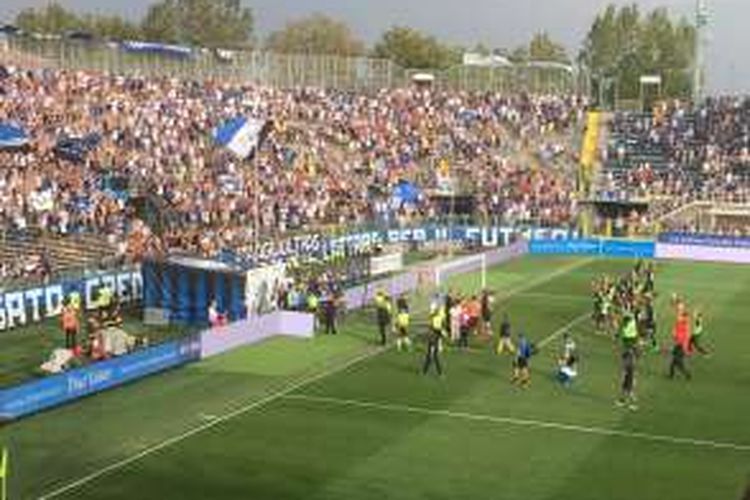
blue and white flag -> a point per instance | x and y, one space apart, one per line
241 135
12 136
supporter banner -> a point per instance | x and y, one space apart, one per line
52 391
317 244
705 240
254 330
610 248
703 253
24 306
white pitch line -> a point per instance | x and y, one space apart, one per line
564 329
602 431
545 279
208 425
274 396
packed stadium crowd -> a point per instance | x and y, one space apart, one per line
330 157
683 153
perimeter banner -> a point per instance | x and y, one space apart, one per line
55 390
22 306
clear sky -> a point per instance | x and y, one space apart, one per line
497 23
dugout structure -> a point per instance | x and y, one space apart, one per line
180 290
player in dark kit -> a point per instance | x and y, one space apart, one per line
627 396
384 311
437 328
505 343
521 371
647 320
330 309
486 313
696 335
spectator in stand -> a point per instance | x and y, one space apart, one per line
331 158
682 154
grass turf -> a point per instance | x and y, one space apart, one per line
378 429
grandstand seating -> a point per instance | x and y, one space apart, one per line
65 254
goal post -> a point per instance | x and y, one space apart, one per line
476 264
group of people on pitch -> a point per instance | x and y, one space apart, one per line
455 319
625 308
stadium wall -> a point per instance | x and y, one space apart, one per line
703 248
253 330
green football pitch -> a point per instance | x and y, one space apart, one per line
339 418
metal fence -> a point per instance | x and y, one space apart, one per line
281 70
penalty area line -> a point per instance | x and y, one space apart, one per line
519 422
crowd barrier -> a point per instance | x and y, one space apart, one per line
703 248
594 247
253 330
705 240
701 253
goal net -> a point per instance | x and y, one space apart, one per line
472 269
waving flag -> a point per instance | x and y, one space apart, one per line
75 149
12 136
405 193
242 136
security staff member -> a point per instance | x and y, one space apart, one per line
384 311
437 329
74 299
106 298
313 305
629 331
402 324
329 313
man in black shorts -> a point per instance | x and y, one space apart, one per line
627 397
486 313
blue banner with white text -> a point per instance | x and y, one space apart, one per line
27 305
320 245
42 394
601 247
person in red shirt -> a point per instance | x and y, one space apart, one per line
681 338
